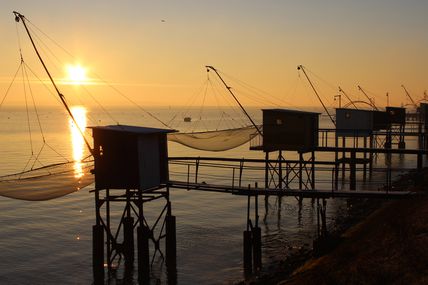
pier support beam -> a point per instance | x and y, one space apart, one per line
323 241
128 241
114 239
98 254
257 248
171 241
248 265
352 174
388 139
252 244
143 235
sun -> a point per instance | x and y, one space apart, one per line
76 74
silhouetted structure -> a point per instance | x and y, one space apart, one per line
131 167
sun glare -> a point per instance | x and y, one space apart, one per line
76 74
78 143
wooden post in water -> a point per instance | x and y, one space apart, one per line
171 239
371 145
143 234
247 252
128 241
401 142
324 218
257 248
313 170
266 181
98 244
352 171
425 138
257 237
365 159
128 234
98 254
419 162
248 240
300 170
280 169
336 160
343 158
388 139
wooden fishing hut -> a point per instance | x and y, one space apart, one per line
423 121
283 130
287 130
396 115
130 167
397 124
423 113
357 125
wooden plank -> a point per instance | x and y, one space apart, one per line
292 192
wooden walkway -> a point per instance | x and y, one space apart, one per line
291 192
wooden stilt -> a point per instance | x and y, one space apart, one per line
143 254
352 169
98 254
171 241
247 252
128 241
257 248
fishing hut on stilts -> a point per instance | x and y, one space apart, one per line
283 130
131 173
423 125
353 128
131 169
397 125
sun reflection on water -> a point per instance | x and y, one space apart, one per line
77 141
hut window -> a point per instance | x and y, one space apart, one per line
279 121
101 150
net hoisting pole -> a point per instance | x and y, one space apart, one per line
347 97
367 96
408 95
18 17
234 97
300 67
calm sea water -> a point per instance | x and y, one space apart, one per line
49 242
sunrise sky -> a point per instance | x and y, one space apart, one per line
155 51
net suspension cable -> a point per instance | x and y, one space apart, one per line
219 96
372 103
300 67
209 67
23 68
352 102
20 17
43 44
260 96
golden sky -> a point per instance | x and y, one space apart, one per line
155 51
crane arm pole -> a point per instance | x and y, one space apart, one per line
20 17
316 93
408 95
370 100
347 97
209 67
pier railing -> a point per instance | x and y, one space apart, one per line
229 174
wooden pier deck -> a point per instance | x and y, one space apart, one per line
307 193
